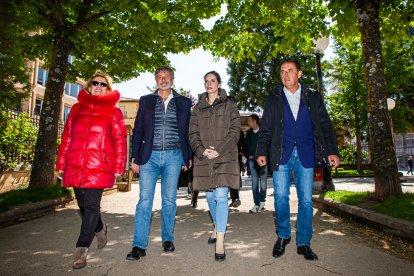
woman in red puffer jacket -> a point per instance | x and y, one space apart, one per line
91 155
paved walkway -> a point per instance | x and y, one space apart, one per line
44 246
367 184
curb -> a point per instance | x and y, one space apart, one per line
396 226
34 210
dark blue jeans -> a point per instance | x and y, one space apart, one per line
259 183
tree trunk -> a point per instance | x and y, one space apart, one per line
358 135
42 174
387 182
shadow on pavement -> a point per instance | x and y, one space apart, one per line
45 246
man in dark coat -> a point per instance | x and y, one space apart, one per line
296 135
259 174
160 147
410 165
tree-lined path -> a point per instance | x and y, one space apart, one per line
44 246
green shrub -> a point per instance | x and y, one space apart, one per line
342 172
14 198
347 197
401 207
17 139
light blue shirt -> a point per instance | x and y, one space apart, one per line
167 101
293 100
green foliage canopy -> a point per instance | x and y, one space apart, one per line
294 24
124 38
251 81
12 67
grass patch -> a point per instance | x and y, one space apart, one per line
343 173
402 207
351 198
14 198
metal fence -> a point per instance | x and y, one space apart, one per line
12 154
35 120
404 147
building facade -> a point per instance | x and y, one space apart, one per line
32 105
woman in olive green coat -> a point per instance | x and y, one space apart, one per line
214 132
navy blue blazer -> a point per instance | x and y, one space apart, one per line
143 134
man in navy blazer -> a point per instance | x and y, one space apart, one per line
160 147
296 134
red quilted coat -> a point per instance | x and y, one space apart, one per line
93 147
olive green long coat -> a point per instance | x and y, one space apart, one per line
216 125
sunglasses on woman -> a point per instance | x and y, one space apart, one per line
96 83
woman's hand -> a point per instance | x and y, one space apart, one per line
211 153
61 172
117 174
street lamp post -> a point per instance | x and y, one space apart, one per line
390 106
320 45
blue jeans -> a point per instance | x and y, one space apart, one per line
219 209
282 180
259 183
167 164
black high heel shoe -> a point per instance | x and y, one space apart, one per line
220 257
211 240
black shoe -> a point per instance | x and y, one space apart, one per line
231 204
236 203
211 240
307 252
136 253
168 246
220 257
279 247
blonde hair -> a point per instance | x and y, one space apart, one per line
102 74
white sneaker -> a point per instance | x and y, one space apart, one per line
255 209
262 206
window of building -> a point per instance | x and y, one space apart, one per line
38 107
42 76
71 59
74 90
66 111
67 88
123 110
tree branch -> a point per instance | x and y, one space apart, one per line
42 13
82 19
82 24
83 11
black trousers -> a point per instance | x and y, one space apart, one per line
89 202
234 194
